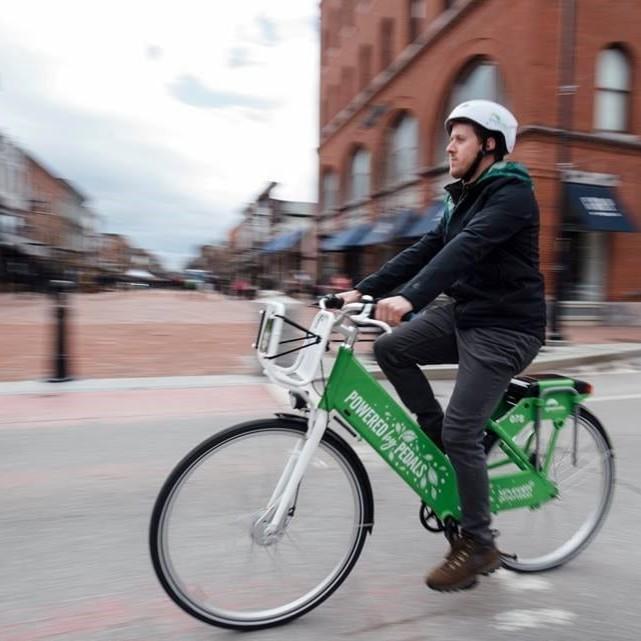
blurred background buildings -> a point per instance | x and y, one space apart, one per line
48 231
390 72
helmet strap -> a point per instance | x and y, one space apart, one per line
475 165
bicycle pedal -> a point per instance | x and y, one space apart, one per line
492 571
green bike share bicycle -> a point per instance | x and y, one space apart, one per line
261 522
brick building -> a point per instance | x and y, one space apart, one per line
391 70
21 257
274 241
114 253
57 217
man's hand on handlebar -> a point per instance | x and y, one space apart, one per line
391 310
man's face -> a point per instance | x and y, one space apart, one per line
462 149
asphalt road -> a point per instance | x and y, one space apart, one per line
76 499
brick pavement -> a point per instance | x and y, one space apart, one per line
156 333
152 333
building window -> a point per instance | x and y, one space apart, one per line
386 42
347 7
347 85
416 15
479 79
334 27
332 101
329 189
359 183
324 45
612 94
364 66
402 151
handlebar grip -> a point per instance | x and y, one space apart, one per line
406 317
333 302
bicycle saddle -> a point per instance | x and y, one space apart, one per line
528 386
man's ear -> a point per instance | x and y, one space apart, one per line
490 144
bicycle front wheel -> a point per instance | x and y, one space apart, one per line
552 534
208 541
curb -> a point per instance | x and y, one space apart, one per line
41 387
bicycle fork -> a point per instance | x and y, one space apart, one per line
280 503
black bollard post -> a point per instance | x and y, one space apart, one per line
60 357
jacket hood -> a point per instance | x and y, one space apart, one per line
502 169
506 169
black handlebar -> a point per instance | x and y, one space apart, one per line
332 301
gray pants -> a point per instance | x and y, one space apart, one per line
488 358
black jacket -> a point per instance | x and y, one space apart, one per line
484 254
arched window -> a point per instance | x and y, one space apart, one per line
612 95
479 79
402 151
329 189
416 18
359 183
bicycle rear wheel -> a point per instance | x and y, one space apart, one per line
554 533
208 542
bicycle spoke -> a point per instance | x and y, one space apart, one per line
557 530
219 561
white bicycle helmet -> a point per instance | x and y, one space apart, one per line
487 114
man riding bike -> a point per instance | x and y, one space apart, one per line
484 255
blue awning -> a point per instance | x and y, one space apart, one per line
428 221
389 227
349 237
596 208
282 242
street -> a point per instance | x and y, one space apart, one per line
77 494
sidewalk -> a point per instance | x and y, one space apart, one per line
37 404
32 404
180 340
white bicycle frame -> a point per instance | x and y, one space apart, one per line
299 378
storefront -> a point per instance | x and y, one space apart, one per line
592 213
281 259
362 248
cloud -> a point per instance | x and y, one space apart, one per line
241 57
154 53
140 188
167 138
191 91
268 31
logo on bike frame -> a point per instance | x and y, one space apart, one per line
552 405
396 442
518 493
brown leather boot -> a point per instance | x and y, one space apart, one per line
464 562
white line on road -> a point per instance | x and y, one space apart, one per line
514 620
621 397
522 582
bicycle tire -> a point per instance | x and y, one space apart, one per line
335 453
514 540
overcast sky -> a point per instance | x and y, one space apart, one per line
169 116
